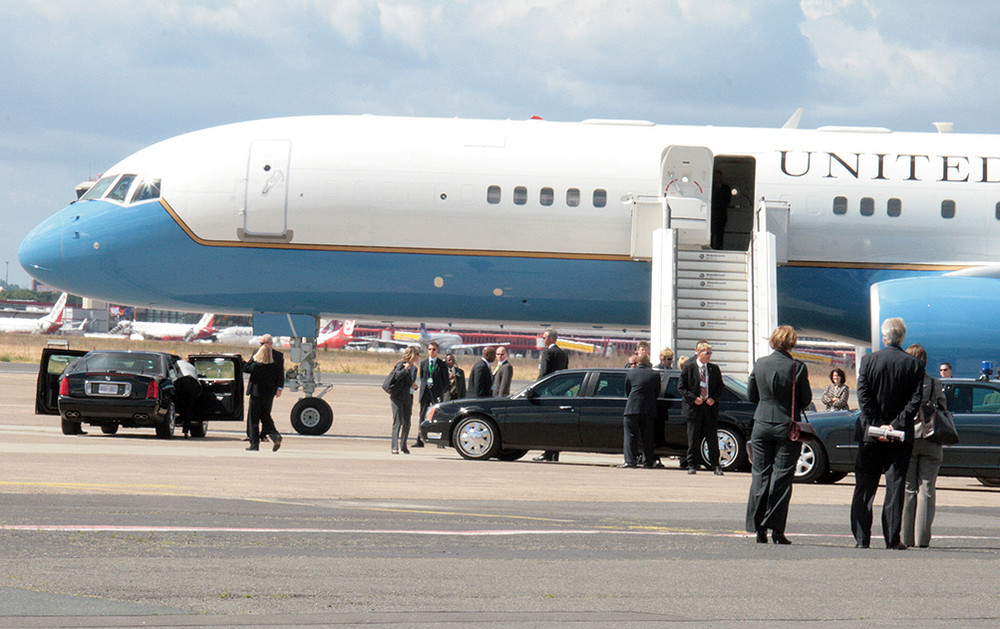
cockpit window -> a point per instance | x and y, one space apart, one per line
121 188
146 190
98 189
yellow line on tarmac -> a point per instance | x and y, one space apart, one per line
104 487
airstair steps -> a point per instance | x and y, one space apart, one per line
712 303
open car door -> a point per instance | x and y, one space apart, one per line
53 364
221 379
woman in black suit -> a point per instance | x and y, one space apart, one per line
267 379
401 398
773 383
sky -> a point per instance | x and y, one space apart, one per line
84 84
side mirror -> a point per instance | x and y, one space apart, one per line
530 393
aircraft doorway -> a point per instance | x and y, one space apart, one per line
732 202
267 188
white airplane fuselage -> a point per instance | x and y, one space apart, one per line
502 220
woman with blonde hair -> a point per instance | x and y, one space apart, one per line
775 382
267 379
404 381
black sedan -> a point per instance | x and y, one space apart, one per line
976 407
110 388
580 410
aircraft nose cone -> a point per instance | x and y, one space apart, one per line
40 252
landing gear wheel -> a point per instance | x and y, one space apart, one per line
109 429
311 416
198 429
165 429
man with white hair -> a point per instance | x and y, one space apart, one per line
890 383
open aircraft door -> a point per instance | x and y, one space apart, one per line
687 186
266 195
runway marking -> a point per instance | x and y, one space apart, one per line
102 487
102 528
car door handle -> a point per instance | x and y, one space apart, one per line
565 408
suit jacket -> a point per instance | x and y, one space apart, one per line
642 385
689 387
481 379
770 388
459 389
554 358
435 393
890 383
502 378
265 380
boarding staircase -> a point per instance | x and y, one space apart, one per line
728 298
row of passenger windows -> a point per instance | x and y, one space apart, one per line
546 196
894 207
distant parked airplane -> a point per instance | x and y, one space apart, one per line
43 325
168 331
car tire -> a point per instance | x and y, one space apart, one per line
510 454
165 429
476 438
70 428
988 481
198 430
813 464
732 449
109 429
311 416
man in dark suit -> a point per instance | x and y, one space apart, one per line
642 386
554 359
890 383
433 377
700 386
503 375
267 379
481 375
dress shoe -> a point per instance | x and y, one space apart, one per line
543 457
762 536
253 448
923 545
624 465
718 470
649 467
897 547
691 470
418 444
277 443
658 464
779 538
405 451
395 451
860 545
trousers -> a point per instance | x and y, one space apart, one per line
704 425
874 460
920 496
774 459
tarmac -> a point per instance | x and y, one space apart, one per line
129 530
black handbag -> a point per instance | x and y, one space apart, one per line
799 430
939 425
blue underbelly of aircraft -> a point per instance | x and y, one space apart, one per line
141 256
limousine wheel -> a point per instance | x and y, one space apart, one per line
476 438
732 449
165 429
812 464
70 428
311 416
510 454
199 429
109 429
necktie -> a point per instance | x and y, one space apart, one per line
704 381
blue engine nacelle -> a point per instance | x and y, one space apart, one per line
950 315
